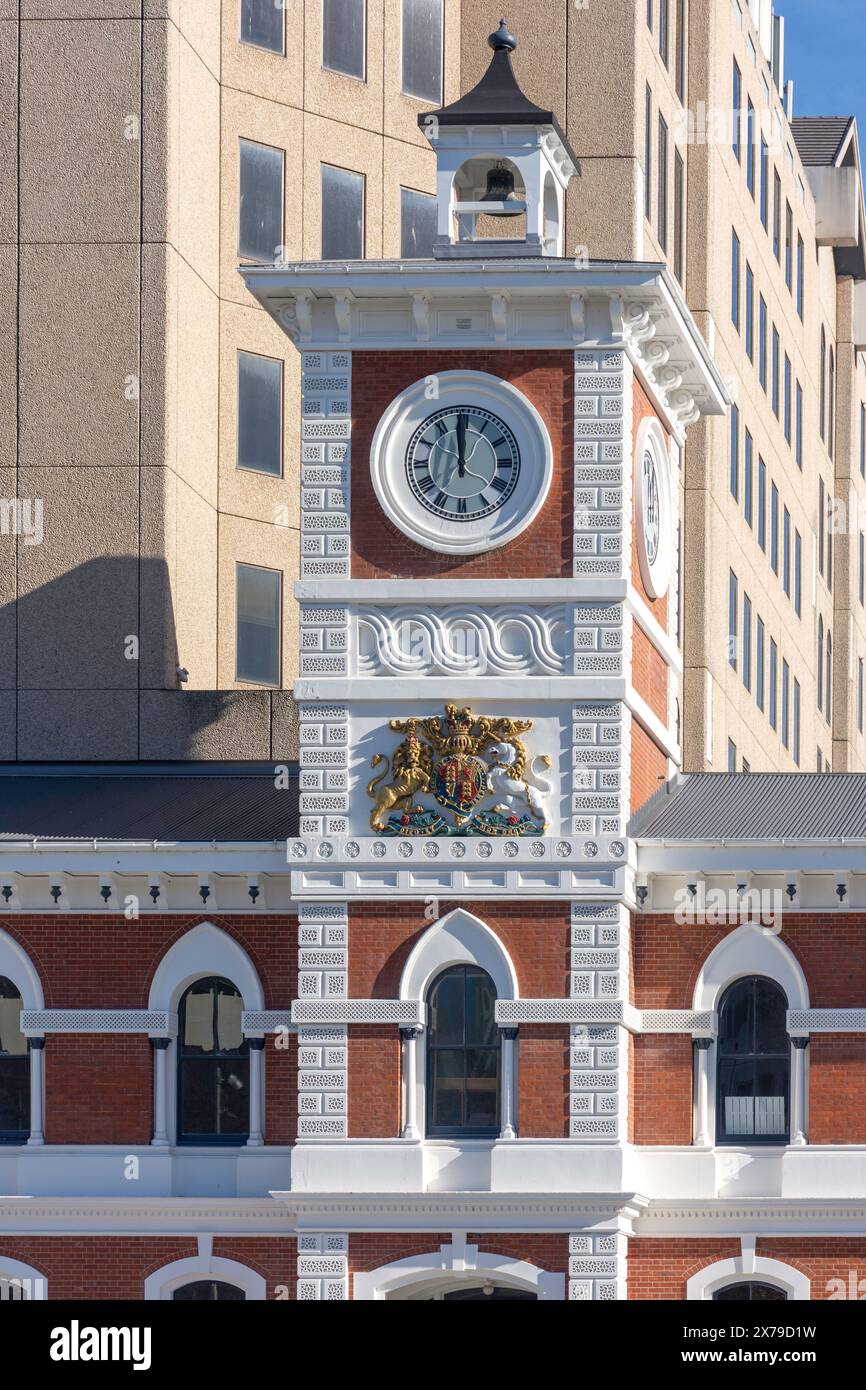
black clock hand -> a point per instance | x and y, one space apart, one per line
461 443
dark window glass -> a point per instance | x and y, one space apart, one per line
648 155
14 1068
765 184
417 224
762 343
679 216
213 1081
762 504
753 1064
750 148
748 474
777 216
209 1291
735 452
682 49
750 1293
664 30
796 748
801 275
258 625
262 24
422 49
759 664
737 113
260 413
735 280
462 1055
733 591
488 1295
750 313
343 36
261 201
342 214
663 183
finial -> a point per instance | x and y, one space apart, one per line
502 39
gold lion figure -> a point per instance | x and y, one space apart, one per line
411 772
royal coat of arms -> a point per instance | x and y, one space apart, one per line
475 768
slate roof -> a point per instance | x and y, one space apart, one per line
189 801
820 138
772 807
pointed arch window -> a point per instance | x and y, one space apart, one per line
753 1064
208 1291
14 1068
749 1293
213 1065
463 1055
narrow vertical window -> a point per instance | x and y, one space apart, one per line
342 214
829 678
785 702
788 409
663 184
260 414
750 147
798 574
748 480
863 441
679 216
759 663
773 683
765 184
860 695
831 411
775 367
801 277
732 619
762 342
213 1065
822 523
762 504
648 155
735 452
463 1055
777 216
830 529
789 246
14 1070
422 49
798 427
732 756
796 747
263 25
861 578
747 642
750 313
649 14
417 224
735 280
258 625
786 551
822 416
774 528
737 112
820 665
260 232
682 48
665 30
343 37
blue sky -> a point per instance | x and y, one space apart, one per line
825 46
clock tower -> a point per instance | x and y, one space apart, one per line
490 471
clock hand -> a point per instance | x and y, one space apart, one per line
461 443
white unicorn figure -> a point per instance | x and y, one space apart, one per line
519 788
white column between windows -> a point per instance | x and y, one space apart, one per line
160 1090
702 1046
798 1091
257 1077
37 1091
410 1038
509 1043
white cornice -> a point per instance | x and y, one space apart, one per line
70 1216
475 1211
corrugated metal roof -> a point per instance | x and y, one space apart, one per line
756 806
221 803
820 138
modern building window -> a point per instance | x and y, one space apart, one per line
861 575
748 472
830 523
798 428
863 441
463 1055
343 36
762 342
14 1068
798 574
213 1065
417 224
786 681
822 414
260 414
260 235
828 680
831 407
259 604
665 30
750 1293
649 13
732 619
747 642
789 246
648 155
682 48
796 742
820 664
750 313
777 375
774 528
342 214
422 49
860 695
663 184
759 663
788 407
786 551
801 277
753 1073
773 683
679 216
777 216
735 280
735 452
732 756
737 112
263 25
765 184
208 1291
762 504
750 147
822 524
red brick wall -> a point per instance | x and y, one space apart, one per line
545 550
106 962
649 766
115 1267
837 1089
660 1269
661 1089
374 1081
369 1251
649 672
543 1089
643 408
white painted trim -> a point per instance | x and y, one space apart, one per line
17 966
750 950
432 689
458 938
656 575
445 591
161 1284
204 950
652 628
27 1276
650 721
457 1264
748 1268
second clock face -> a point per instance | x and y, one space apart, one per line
462 463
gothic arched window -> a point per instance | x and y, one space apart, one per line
463 1055
750 1293
213 1065
208 1291
754 1062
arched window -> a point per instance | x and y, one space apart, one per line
14 1068
463 1055
208 1291
213 1065
820 663
753 1077
749 1293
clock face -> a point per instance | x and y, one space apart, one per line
651 506
463 463
655 522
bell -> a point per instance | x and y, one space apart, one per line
500 189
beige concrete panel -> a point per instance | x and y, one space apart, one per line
601 108
402 111
8 9
246 117
243 492
159 153
284 726
405 166
273 547
328 142
198 21
80 88
8 708
600 209
78 589
213 725
82 725
79 341
194 595
80 9
8 582
158 354
158 655
8 365
276 76
8 127
336 95
197 102
540 59
194 356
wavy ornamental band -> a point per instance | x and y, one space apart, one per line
477 770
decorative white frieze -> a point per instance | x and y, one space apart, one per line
701 1023
325 431
323 956
255 1021
323 1267
398 1011
601 742
463 640
602 471
598 1086
323 738
578 1011
802 1021
159 1023
597 1267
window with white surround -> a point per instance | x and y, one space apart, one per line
14 1068
260 413
734 1280
344 36
259 612
260 231
421 49
205 1278
263 24
342 214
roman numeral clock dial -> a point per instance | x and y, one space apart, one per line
463 463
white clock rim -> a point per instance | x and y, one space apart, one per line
656 574
461 386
